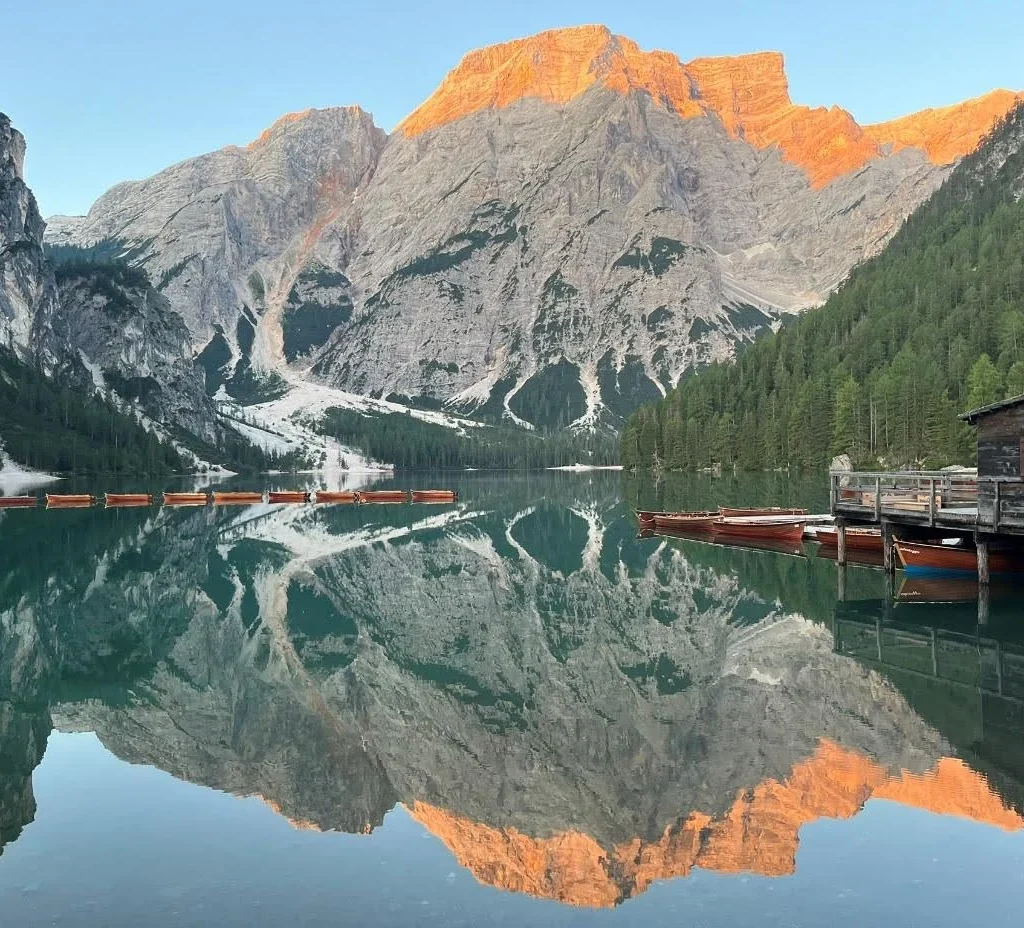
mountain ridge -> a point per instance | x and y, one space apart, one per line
567 215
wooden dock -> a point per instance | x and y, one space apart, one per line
922 504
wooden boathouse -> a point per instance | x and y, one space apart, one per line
986 506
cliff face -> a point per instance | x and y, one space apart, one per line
94 328
950 132
567 214
224 235
26 283
131 344
748 94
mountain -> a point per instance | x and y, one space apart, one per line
50 417
566 228
97 370
26 285
931 327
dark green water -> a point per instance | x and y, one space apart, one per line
506 712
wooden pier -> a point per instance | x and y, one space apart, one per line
924 504
984 506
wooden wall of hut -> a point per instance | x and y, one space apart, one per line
1001 455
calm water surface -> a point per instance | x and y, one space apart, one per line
506 712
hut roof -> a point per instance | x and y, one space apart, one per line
983 411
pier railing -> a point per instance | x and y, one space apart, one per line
933 498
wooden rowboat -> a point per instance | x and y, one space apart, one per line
777 529
857 539
435 496
337 496
112 500
685 521
383 496
185 499
950 559
237 499
55 500
727 513
288 496
12 502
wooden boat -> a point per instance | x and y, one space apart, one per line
55 500
728 513
685 521
288 496
435 496
776 545
22 502
185 499
112 500
383 496
950 559
237 499
775 529
857 539
336 496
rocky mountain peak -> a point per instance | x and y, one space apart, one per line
749 94
305 120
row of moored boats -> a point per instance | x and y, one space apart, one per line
774 524
215 498
792 526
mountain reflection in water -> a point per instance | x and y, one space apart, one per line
574 712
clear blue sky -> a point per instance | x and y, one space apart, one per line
107 90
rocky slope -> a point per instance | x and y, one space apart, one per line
26 283
102 329
567 215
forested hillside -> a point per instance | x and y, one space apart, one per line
407 442
931 327
53 425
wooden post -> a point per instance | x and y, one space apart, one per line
841 543
878 499
983 572
888 561
931 501
841 592
998 504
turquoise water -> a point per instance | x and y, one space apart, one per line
511 711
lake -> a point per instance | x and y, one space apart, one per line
510 711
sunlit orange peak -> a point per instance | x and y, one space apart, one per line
748 93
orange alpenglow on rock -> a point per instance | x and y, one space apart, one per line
759 833
748 93
950 132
